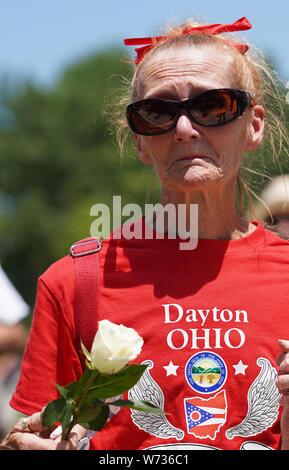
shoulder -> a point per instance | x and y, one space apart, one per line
61 270
274 236
57 284
276 244
61 273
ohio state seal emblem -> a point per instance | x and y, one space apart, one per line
206 372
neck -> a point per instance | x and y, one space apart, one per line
217 218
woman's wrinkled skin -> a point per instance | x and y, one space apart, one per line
209 181
38 438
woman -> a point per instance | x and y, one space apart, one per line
211 331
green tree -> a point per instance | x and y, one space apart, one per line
58 160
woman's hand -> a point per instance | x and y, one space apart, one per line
282 383
29 434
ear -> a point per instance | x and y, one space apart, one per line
256 130
140 148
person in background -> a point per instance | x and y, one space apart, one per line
13 338
273 208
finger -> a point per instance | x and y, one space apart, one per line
70 444
282 383
46 433
5 446
21 426
285 428
280 358
284 400
79 430
34 422
284 365
283 345
30 441
35 425
27 441
30 424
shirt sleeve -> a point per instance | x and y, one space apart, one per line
49 357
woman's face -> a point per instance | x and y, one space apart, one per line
179 75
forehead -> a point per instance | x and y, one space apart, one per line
185 72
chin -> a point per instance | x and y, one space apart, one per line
192 181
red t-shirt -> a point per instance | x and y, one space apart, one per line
210 319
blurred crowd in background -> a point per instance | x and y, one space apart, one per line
58 158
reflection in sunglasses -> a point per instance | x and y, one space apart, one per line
210 108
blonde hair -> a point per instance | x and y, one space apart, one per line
252 73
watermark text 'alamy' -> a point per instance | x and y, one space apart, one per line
172 221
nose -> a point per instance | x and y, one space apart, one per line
186 129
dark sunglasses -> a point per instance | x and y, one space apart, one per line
211 108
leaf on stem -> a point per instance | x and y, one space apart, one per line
137 405
95 420
58 410
107 386
76 388
90 410
53 412
64 391
66 415
85 352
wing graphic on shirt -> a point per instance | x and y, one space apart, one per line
148 390
263 403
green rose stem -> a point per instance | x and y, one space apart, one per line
92 376
80 401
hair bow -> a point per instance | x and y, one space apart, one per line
240 25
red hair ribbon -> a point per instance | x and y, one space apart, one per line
240 25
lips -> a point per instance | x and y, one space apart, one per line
191 157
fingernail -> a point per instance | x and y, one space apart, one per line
56 433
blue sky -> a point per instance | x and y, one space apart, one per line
40 38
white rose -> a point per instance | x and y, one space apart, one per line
113 347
